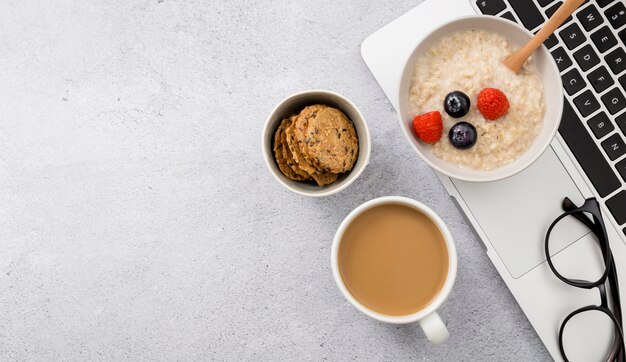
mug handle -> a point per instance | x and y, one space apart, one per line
434 329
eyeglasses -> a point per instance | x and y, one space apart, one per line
590 216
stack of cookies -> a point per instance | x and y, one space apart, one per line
318 144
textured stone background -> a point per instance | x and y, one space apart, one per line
138 220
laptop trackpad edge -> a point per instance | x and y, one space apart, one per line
515 213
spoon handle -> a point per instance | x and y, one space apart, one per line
517 59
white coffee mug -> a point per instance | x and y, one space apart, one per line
429 320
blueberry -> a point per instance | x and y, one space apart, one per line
463 135
456 104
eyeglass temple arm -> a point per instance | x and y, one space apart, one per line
618 349
590 206
568 205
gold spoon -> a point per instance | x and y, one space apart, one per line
516 60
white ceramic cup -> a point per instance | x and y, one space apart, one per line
429 320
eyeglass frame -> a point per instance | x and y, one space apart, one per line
597 226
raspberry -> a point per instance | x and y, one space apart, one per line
492 103
428 126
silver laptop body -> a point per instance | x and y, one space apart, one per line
510 217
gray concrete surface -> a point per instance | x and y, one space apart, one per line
138 220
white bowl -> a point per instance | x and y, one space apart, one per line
553 93
293 105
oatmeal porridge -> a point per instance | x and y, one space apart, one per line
470 61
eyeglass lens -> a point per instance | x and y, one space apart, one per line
586 263
588 336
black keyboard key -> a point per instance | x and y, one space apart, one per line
616 60
587 153
586 57
604 39
622 81
590 17
509 16
621 122
545 2
614 146
600 79
491 7
551 41
600 125
614 100
617 206
604 3
573 81
586 103
572 36
621 168
616 15
563 61
552 9
527 12
622 36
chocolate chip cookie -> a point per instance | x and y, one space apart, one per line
328 139
321 177
280 154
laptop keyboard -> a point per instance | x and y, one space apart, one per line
590 54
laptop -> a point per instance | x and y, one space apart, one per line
586 159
